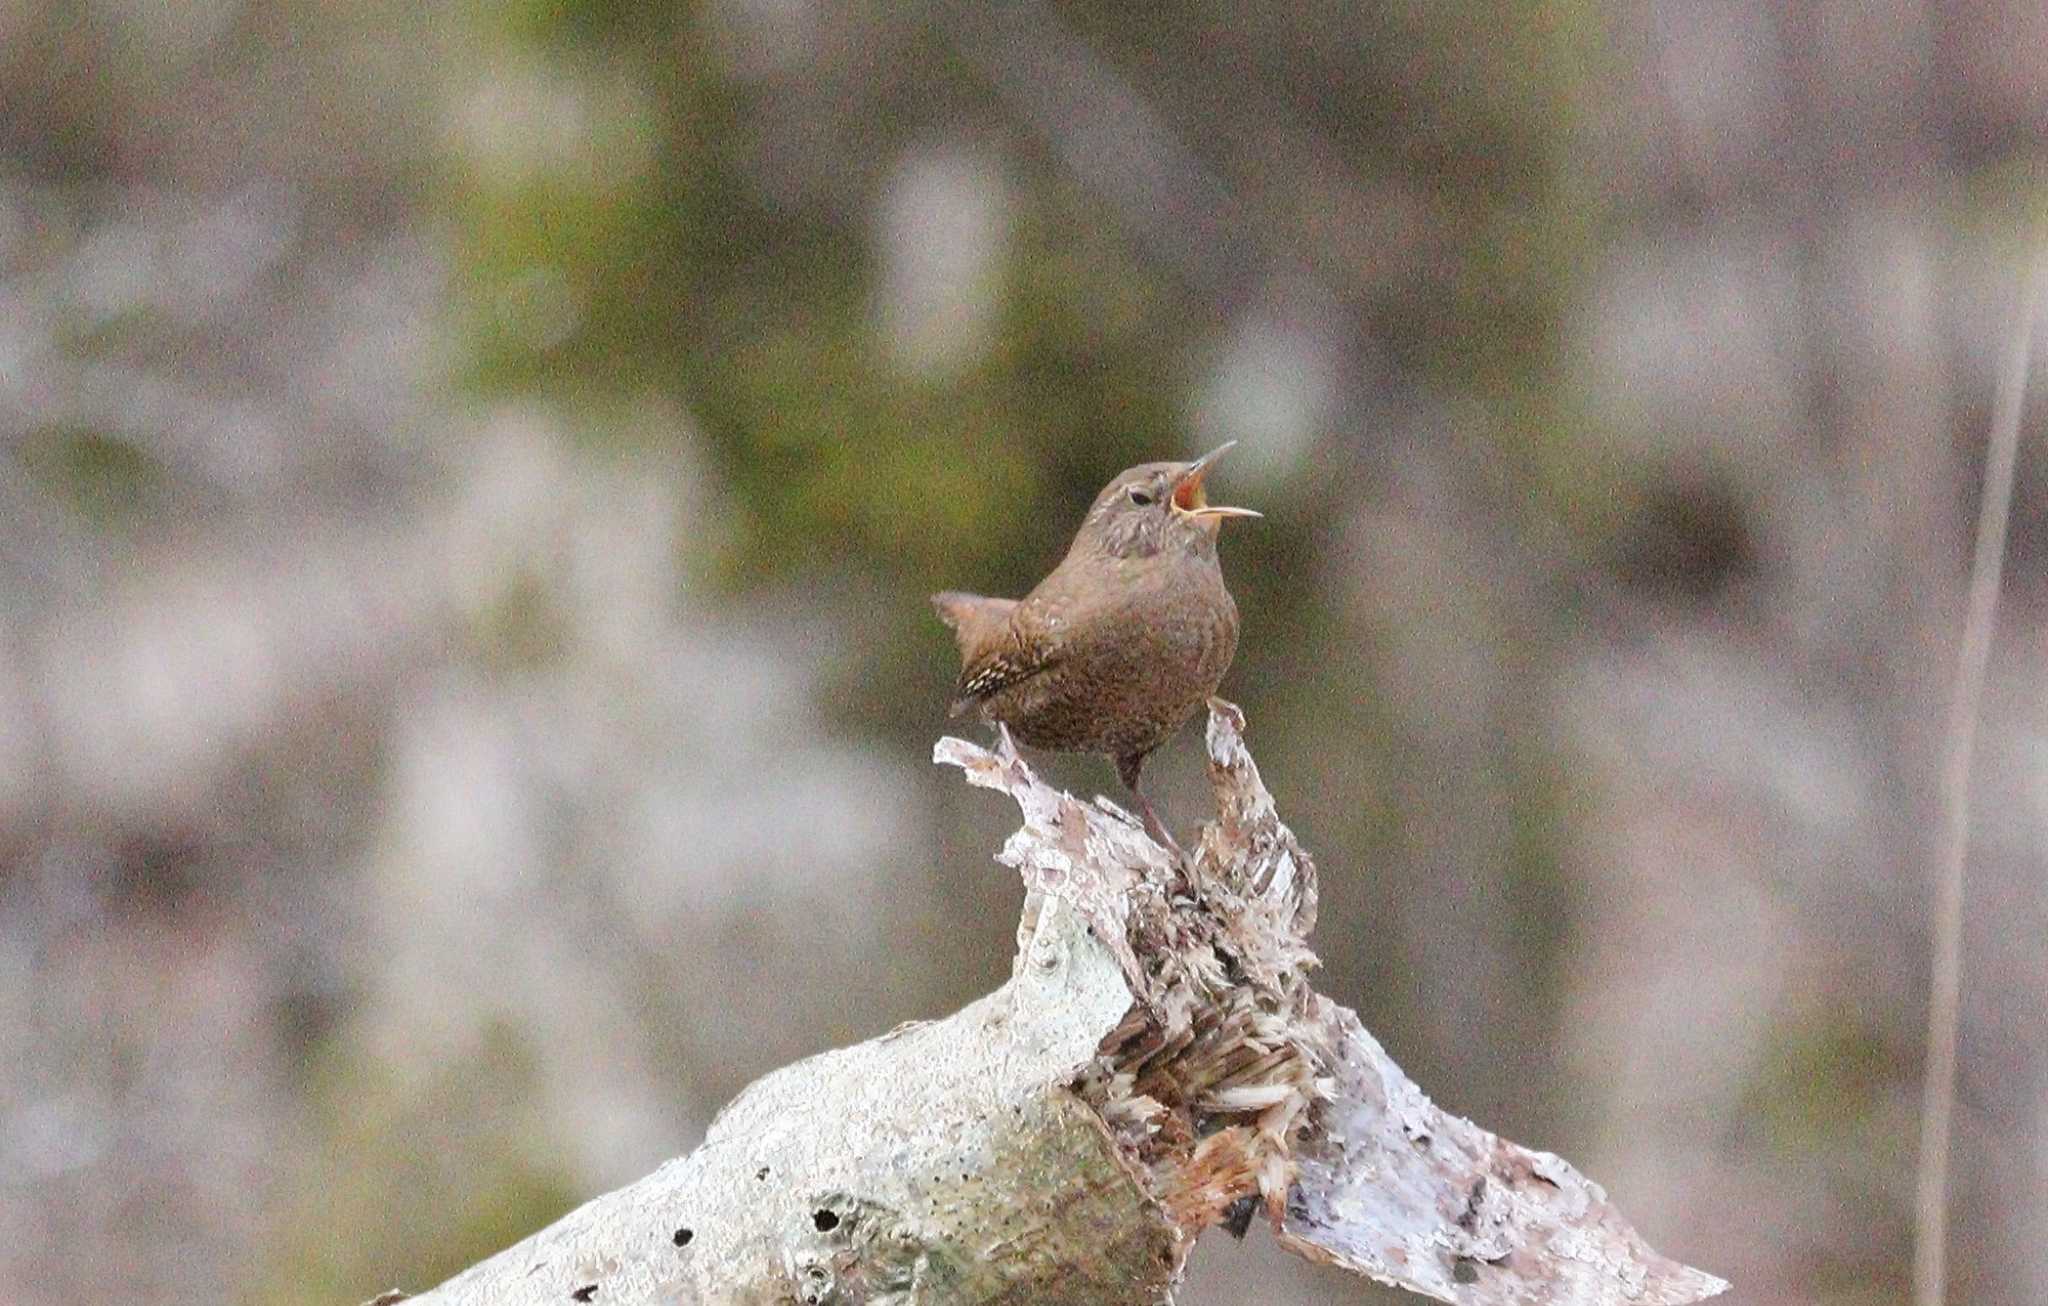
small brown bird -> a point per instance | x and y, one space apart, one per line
1114 650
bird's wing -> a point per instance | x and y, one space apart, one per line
985 680
1001 645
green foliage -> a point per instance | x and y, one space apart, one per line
1826 1075
756 312
105 478
375 1209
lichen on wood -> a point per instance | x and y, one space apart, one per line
1157 1064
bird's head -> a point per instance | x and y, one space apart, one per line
1156 507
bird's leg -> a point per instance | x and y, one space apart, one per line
1006 744
1127 769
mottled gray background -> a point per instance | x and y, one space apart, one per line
470 475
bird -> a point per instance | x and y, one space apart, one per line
1115 649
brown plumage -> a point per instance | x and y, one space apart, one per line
1114 650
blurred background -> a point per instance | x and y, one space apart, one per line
470 476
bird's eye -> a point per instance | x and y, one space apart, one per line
1142 497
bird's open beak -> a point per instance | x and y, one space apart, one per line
1188 495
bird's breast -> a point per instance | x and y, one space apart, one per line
1139 651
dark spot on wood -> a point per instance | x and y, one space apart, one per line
825 1220
1238 1219
1233 969
588 1292
1464 1270
1470 1219
762 1173
683 1236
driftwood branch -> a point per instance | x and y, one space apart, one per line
1157 1065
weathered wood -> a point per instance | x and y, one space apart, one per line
1156 1065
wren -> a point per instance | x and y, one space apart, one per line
1116 648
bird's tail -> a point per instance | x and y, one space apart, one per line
976 620
978 623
